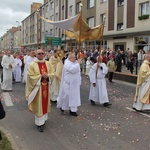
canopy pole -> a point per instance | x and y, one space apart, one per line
98 61
71 44
79 42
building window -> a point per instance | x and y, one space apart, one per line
103 1
51 5
52 18
120 26
31 18
144 8
70 11
120 2
56 31
142 43
90 3
63 8
90 22
47 8
56 17
51 31
43 10
56 2
33 38
78 8
62 13
102 18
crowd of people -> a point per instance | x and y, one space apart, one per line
120 57
51 77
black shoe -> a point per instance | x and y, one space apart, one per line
137 110
107 104
61 110
54 102
92 102
133 108
73 113
41 128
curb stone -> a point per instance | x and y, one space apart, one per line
10 138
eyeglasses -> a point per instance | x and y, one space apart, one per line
40 53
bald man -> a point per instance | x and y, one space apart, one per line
98 90
39 75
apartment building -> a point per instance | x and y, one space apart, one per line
48 11
30 26
17 39
8 39
56 10
126 23
1 42
34 30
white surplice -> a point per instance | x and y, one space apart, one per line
56 80
28 60
142 95
143 88
69 94
25 68
7 72
98 93
17 70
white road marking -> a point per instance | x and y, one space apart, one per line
138 112
7 99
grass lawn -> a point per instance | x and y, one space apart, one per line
5 143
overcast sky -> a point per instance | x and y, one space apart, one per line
12 11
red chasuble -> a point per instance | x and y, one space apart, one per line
44 85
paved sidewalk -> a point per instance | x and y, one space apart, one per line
125 70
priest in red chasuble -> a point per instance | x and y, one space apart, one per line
38 83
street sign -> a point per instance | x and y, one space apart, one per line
53 41
48 40
56 41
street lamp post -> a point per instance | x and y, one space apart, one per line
18 23
18 35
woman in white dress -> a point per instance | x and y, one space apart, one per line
88 66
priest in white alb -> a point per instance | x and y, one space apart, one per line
69 94
8 63
98 90
142 95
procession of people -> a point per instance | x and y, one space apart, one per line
56 77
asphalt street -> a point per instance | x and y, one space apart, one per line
96 128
